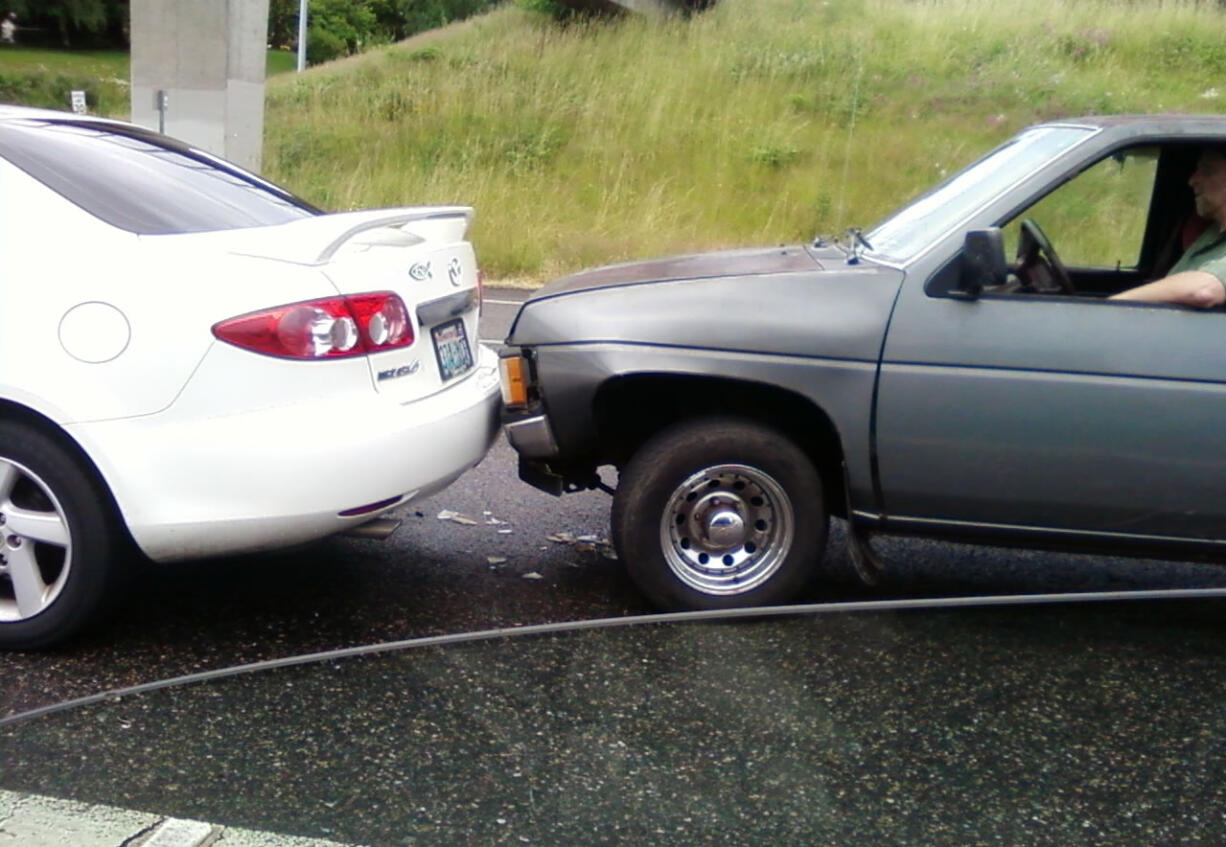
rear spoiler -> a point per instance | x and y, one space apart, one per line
360 222
315 240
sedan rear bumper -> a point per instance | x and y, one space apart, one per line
204 486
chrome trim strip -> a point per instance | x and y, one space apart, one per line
444 308
897 522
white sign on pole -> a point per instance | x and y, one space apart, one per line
78 102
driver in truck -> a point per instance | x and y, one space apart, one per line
1198 279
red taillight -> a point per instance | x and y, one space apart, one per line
382 320
329 328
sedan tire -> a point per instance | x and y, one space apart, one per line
719 513
58 540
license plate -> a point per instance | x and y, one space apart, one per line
451 347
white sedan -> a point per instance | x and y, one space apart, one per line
196 362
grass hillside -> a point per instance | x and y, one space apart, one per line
34 76
37 76
760 121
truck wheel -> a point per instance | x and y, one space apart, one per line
57 540
719 513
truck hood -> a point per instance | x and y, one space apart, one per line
782 300
746 262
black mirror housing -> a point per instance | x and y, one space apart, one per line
983 263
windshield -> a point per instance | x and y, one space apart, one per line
143 182
918 224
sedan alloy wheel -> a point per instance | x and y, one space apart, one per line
35 546
58 539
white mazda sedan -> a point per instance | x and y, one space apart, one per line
196 362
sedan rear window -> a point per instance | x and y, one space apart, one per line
143 182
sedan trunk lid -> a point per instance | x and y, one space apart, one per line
422 256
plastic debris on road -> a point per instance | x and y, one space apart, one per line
456 517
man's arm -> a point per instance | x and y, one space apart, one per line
1200 289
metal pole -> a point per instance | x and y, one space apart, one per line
161 101
302 34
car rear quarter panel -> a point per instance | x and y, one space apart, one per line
169 294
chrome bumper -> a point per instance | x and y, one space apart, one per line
532 437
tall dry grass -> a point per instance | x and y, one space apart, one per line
761 121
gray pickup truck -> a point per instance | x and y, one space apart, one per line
943 373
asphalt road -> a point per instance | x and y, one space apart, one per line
515 557
1036 725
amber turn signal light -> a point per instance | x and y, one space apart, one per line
514 373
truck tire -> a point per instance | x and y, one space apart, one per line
719 513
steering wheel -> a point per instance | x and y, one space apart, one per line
1038 263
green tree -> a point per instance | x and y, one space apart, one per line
340 27
283 23
334 27
399 19
74 21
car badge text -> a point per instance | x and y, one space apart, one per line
454 272
421 271
396 373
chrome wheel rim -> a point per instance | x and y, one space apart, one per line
727 529
35 544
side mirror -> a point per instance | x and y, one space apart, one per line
983 263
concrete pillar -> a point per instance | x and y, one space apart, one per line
208 56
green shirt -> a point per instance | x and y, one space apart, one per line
1207 253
